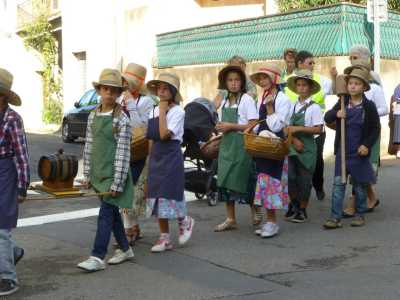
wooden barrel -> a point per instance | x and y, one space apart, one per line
58 166
139 144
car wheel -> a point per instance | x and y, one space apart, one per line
65 133
212 199
199 196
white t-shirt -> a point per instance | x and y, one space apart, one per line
138 110
326 85
313 115
175 121
376 95
247 109
283 110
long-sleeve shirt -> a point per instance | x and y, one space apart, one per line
13 144
139 109
122 137
376 95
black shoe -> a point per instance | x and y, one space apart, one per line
8 287
291 212
300 217
320 195
370 210
19 255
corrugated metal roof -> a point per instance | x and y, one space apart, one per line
326 31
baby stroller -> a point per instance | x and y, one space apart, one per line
200 179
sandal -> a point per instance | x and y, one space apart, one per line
225 226
332 224
370 210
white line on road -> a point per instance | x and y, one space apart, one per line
77 214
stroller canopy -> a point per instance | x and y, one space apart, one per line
200 120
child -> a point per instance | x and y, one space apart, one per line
166 173
306 121
14 181
235 166
106 159
275 107
139 106
362 132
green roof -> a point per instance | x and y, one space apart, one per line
325 31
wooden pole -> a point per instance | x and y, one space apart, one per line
341 91
82 195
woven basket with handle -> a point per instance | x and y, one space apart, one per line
210 149
139 144
266 147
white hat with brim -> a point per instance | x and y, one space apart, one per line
6 81
303 74
271 70
109 77
135 76
167 78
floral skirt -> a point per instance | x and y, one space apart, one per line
272 193
166 208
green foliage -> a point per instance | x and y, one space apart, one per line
38 36
287 5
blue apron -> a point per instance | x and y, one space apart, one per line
270 167
8 194
359 167
166 178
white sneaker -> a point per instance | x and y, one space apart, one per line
186 230
121 256
269 230
92 264
258 231
161 246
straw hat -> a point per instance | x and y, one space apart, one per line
6 81
224 73
360 73
360 63
135 75
271 70
303 74
109 77
167 78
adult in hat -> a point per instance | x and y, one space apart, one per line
166 176
14 180
375 94
139 104
275 109
106 159
362 132
306 122
235 166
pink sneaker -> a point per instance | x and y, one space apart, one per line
186 230
162 245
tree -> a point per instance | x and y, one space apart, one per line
287 5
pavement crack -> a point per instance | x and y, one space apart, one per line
239 295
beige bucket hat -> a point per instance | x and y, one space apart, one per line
135 75
167 78
360 73
109 77
360 63
273 71
6 81
303 74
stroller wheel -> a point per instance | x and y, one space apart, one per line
199 196
212 199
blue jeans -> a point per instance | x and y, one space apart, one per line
109 220
338 193
8 251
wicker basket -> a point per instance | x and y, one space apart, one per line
210 149
266 147
139 144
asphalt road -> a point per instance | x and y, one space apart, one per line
303 262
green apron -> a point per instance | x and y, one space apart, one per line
235 165
375 154
102 162
308 157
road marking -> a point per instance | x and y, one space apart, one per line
77 214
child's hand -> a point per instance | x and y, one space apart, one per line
363 151
293 129
341 114
224 127
298 144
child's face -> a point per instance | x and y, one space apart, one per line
264 81
109 94
355 86
303 88
233 82
163 92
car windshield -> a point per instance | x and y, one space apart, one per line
87 97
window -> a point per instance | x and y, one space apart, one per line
95 99
86 98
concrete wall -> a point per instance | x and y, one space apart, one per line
202 81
